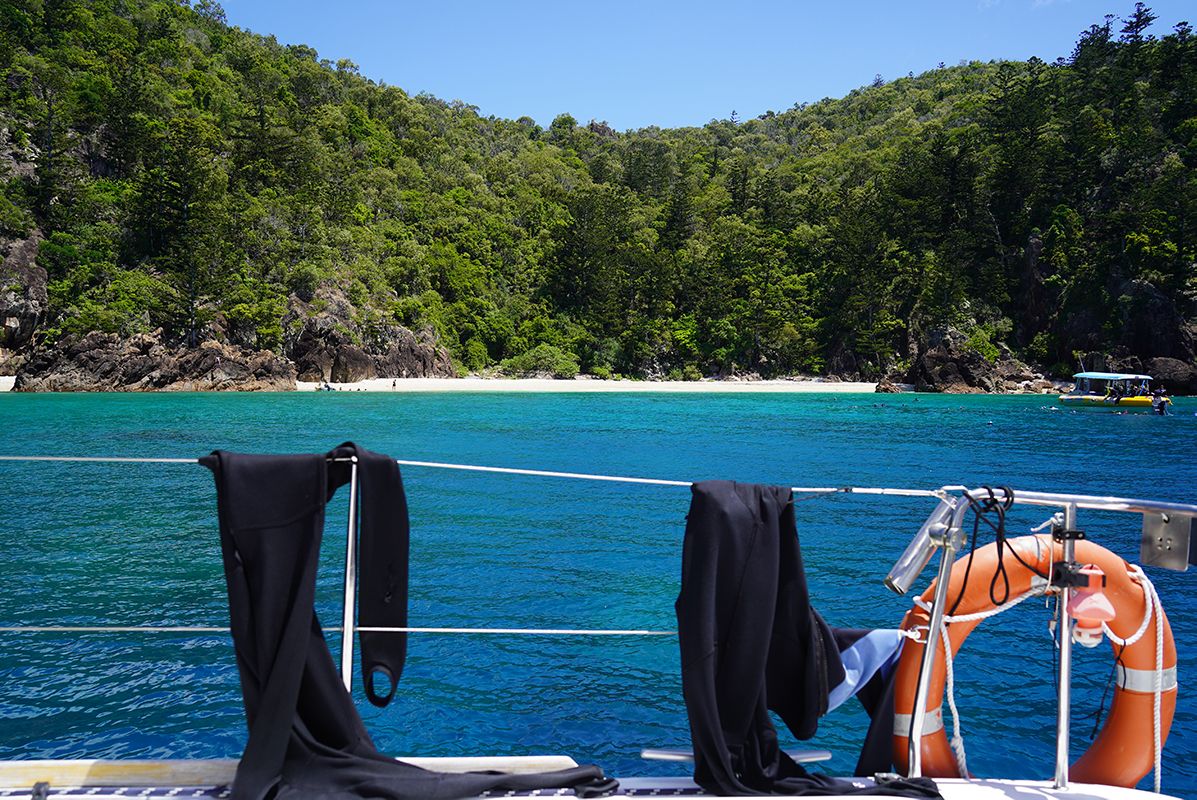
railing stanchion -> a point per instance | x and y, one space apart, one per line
918 716
350 602
1064 678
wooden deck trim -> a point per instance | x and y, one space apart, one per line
218 772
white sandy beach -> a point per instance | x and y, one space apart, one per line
587 385
582 385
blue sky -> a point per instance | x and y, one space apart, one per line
670 63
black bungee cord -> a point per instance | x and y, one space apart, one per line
1101 706
982 507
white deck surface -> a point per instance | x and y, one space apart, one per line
210 779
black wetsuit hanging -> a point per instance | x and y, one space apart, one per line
752 643
384 532
306 739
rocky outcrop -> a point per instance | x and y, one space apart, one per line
324 342
410 354
16 160
328 344
103 362
22 298
1118 359
944 364
1173 375
842 364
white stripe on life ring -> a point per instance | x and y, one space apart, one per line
1143 680
932 723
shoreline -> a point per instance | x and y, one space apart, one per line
588 385
552 385
481 385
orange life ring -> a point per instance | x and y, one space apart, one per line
1124 750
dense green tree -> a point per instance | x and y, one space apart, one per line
177 227
198 178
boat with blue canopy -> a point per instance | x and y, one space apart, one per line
1120 390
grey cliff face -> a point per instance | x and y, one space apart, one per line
944 364
1173 375
22 298
327 343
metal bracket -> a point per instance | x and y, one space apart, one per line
1067 575
1167 541
955 538
1061 534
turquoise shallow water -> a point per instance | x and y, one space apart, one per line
137 545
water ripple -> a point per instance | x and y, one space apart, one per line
136 545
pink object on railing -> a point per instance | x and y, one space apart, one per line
1090 603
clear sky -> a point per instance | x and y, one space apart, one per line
671 63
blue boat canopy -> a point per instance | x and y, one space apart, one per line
1112 376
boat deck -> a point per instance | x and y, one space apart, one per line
211 780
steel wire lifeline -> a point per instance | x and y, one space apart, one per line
1032 498
508 471
206 629
203 629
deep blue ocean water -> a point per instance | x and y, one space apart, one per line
133 544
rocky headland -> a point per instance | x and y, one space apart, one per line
325 340
944 363
104 362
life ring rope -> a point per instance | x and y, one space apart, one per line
957 740
1139 576
1152 610
1127 678
1037 591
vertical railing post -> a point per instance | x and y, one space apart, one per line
1063 680
350 602
918 716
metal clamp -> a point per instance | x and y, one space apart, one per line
1063 534
1068 575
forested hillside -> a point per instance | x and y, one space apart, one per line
179 174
